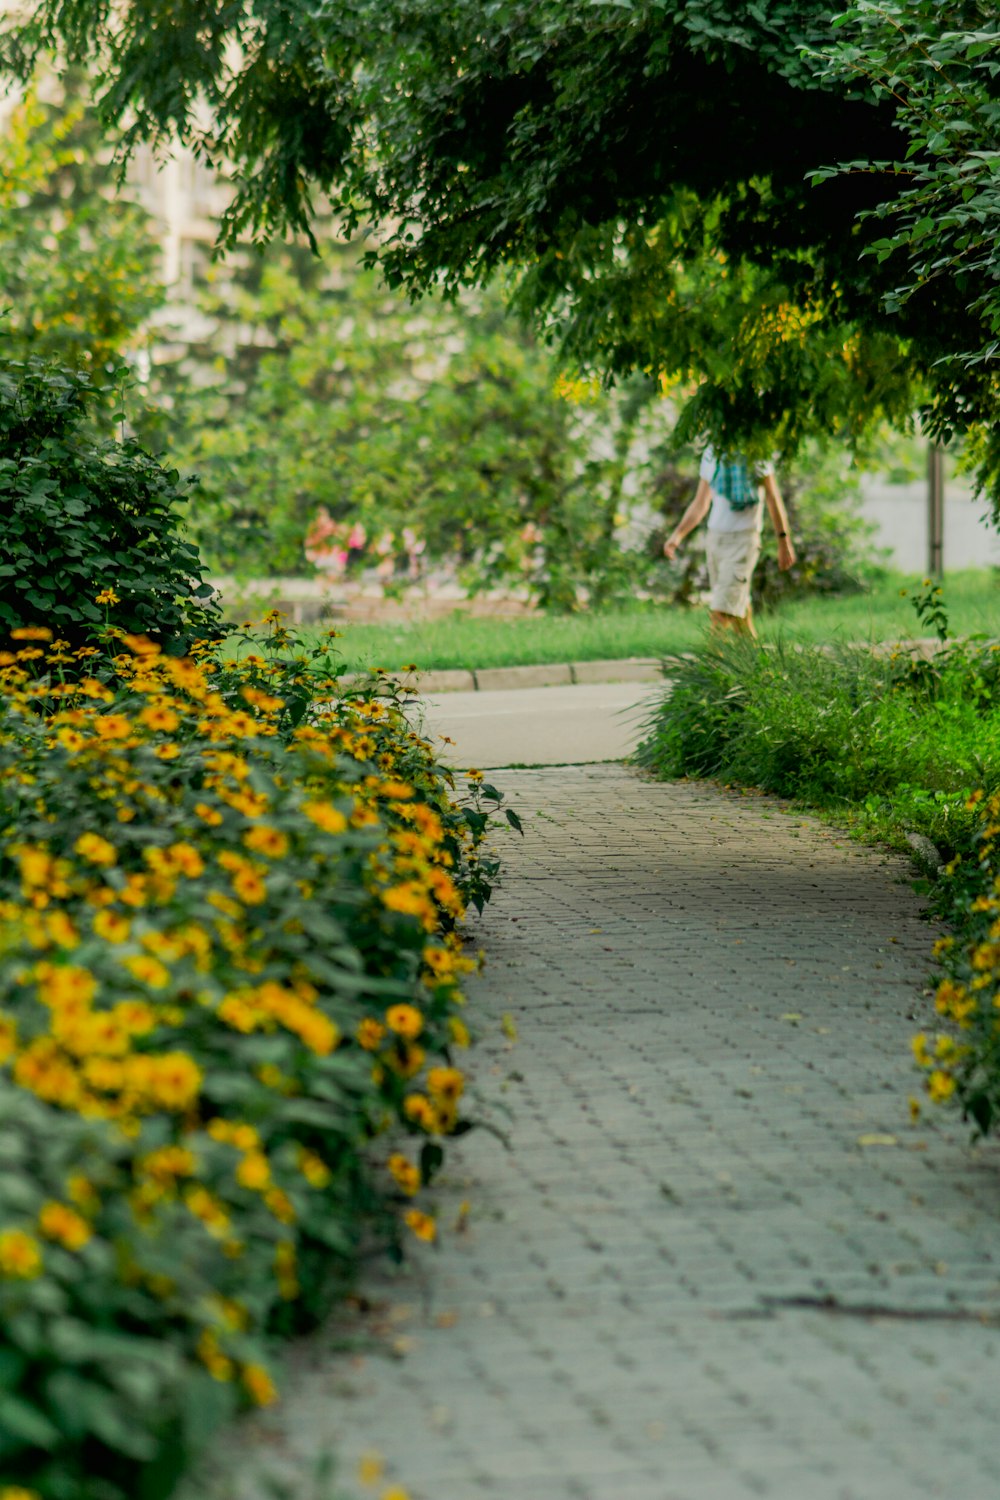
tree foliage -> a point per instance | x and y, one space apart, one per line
651 170
324 414
938 226
78 264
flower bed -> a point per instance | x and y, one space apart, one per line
961 1062
228 962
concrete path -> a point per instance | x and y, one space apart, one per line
718 1262
543 725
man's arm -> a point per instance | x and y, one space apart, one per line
779 520
692 517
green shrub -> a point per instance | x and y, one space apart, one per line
81 515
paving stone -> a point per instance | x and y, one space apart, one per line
621 669
689 1278
551 675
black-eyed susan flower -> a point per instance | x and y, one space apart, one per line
405 1173
370 1034
59 1222
420 1224
259 1385
405 1020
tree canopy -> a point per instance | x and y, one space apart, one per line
649 172
78 265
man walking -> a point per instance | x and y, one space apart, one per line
729 494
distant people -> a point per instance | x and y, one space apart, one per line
729 493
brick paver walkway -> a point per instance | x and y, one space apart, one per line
718 1261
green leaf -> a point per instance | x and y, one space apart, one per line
19 1419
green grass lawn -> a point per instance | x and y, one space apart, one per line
972 598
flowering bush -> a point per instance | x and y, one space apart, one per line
962 1061
228 962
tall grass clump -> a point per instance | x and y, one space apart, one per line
893 742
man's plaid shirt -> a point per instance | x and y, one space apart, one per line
733 480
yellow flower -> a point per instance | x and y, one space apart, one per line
186 860
921 1051
406 1058
422 1225
264 701
940 1085
259 1385
280 1205
167 752
61 930
204 1206
31 633
325 816
59 1222
445 1083
254 1171
135 1017
95 849
459 1031
370 1034
230 1313
158 716
65 985
20 1255
395 1493
409 898
171 1080
82 1192
235 1133
268 841
141 645
209 815
112 727
314 1169
400 789
407 1175
107 596
167 1163
224 904
405 1020
148 970
371 1467
218 1365
418 1108
112 926
248 885
135 891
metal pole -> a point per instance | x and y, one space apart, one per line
935 511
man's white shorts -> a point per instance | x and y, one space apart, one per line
732 557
